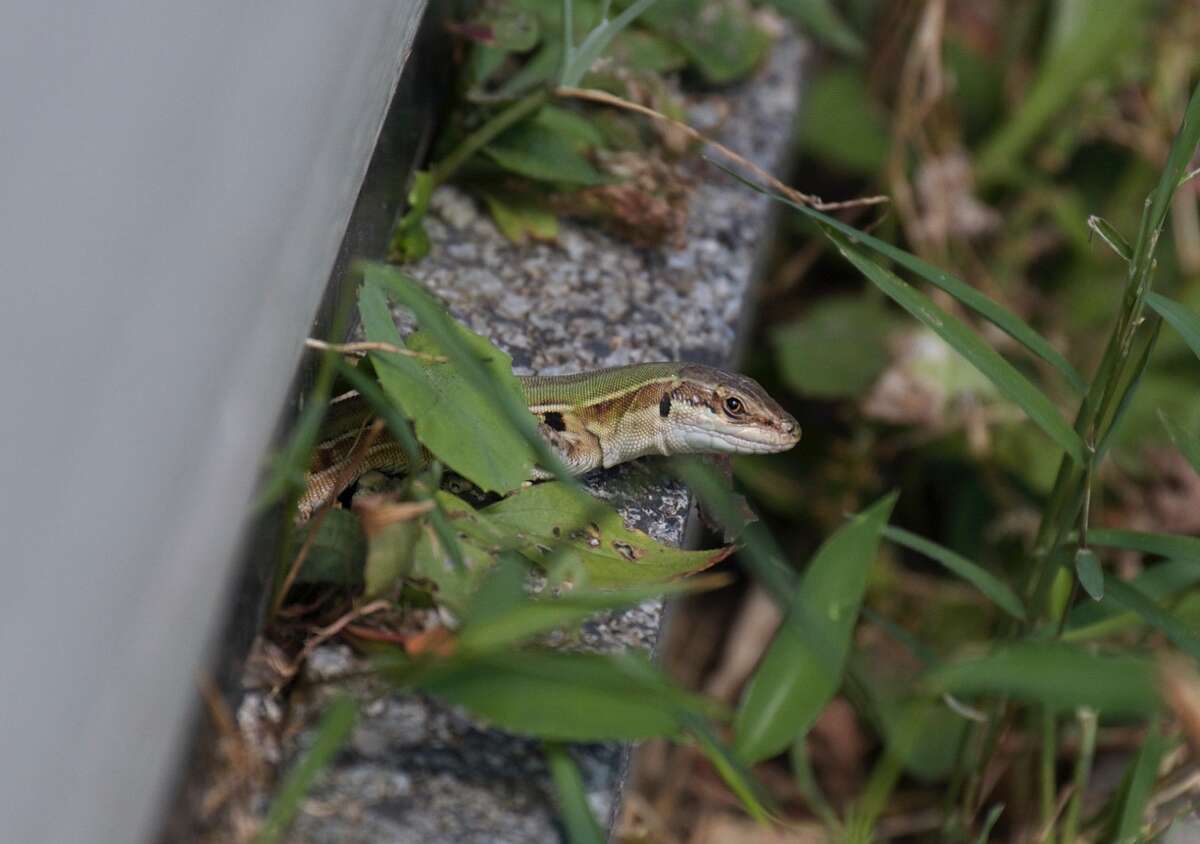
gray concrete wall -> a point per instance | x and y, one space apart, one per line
175 179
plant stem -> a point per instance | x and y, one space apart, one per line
1047 774
1083 771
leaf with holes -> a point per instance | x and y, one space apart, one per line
550 514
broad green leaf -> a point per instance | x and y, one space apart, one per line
723 44
563 696
331 733
491 380
453 586
639 50
1181 318
1109 234
1091 576
336 553
1162 544
821 20
1128 596
1058 676
1136 789
966 342
521 219
836 349
995 589
549 514
572 125
573 806
802 668
842 125
924 734
532 150
1005 320
460 424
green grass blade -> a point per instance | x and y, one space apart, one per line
332 732
967 343
979 577
803 666
1131 598
1161 544
1055 675
1181 318
573 807
1182 150
1135 790
740 781
579 60
1005 320
985 831
1087 54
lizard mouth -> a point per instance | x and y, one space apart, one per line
743 439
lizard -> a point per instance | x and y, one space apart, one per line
592 420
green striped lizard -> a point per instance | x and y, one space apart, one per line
592 420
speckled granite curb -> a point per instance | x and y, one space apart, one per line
415 771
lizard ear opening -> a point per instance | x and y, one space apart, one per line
664 405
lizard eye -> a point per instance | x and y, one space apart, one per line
734 406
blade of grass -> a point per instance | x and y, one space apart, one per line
1083 772
1005 320
579 60
1055 675
1087 54
967 343
740 781
1135 790
573 807
331 733
1131 598
1161 544
1181 318
983 580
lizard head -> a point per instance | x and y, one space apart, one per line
723 412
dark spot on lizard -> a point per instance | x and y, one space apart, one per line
554 420
664 405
